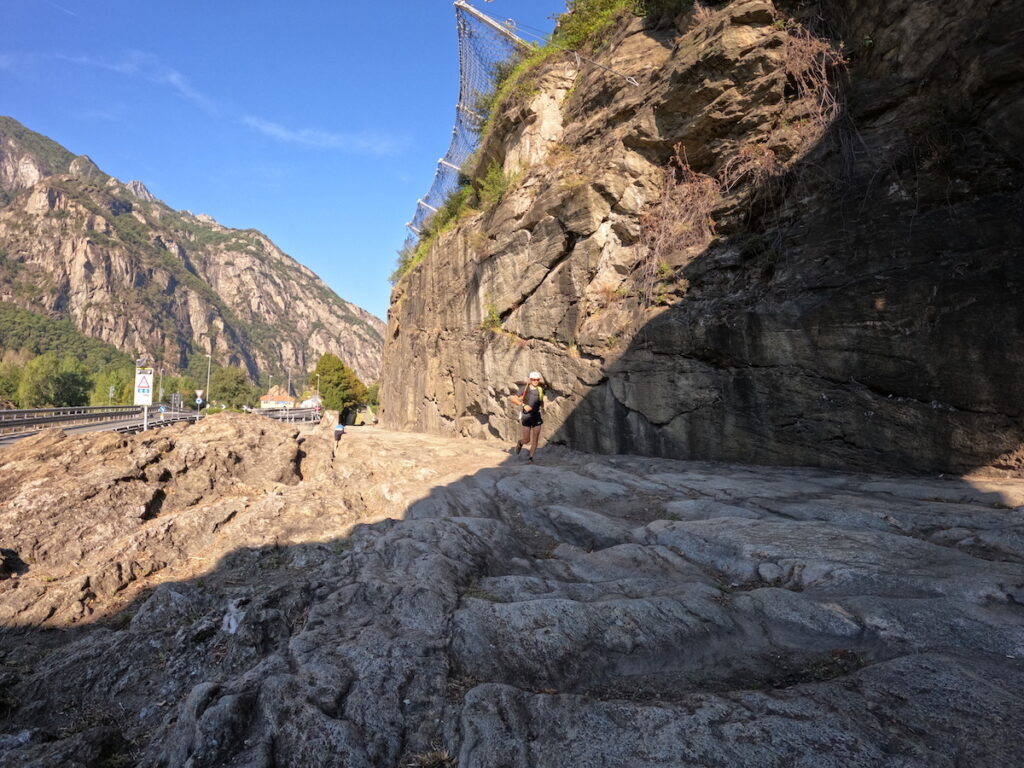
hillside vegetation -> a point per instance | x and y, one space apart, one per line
129 270
585 28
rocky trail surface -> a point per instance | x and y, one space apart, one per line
240 593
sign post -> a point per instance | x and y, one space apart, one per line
143 386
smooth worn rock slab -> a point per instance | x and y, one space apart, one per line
401 596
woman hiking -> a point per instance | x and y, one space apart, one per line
531 402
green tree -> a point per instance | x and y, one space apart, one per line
122 379
35 387
184 386
11 366
230 385
196 369
73 382
339 385
373 394
51 381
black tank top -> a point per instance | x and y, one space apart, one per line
532 398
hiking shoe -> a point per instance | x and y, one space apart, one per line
530 459
519 446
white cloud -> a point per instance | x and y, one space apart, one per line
13 61
149 67
61 8
357 143
110 114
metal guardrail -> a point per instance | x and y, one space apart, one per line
23 419
14 422
290 414
24 414
156 420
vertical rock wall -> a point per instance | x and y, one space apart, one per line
829 275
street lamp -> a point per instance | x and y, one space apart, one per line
209 362
318 388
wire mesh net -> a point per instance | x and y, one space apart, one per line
483 49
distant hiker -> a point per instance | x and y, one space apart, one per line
531 402
339 430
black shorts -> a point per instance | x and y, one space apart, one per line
531 419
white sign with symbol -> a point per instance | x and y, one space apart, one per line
143 386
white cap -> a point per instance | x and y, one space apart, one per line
534 375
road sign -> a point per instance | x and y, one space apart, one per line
143 386
199 392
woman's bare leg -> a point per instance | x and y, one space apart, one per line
524 439
534 439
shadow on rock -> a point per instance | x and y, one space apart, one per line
861 310
578 611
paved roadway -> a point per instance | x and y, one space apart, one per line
134 423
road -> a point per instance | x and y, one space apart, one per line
134 423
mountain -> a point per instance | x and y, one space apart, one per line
126 268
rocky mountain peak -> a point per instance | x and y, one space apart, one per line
83 167
207 219
138 190
27 157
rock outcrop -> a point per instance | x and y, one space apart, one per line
126 269
27 157
237 593
140 192
795 242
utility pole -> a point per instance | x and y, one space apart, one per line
289 392
209 362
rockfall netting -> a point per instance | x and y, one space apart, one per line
485 46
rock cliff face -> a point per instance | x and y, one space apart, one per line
127 269
797 241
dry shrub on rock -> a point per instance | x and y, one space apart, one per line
438 758
810 63
680 220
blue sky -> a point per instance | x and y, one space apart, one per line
318 123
